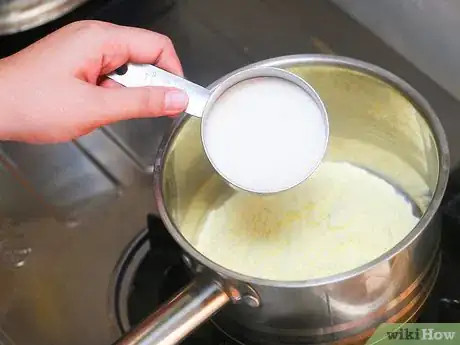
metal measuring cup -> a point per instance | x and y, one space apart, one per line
201 100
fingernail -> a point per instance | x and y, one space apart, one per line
176 100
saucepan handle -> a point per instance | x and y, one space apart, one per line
179 316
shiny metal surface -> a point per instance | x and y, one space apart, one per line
71 180
201 100
138 139
425 32
20 15
49 268
135 75
405 308
176 319
377 121
64 178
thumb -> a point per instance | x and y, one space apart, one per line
134 102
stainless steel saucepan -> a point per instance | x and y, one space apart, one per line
377 121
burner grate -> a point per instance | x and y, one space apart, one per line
151 273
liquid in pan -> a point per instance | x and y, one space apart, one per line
340 218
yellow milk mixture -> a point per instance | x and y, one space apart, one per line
340 218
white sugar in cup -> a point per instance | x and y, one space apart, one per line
265 134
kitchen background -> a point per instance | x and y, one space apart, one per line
69 211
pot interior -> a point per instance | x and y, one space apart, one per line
336 221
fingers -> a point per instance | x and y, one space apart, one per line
110 84
139 46
119 103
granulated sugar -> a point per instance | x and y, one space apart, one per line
265 134
342 217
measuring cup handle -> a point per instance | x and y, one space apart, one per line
136 75
181 315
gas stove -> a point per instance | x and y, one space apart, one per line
150 274
152 271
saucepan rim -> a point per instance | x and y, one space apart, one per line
298 60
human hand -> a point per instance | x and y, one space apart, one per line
54 90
